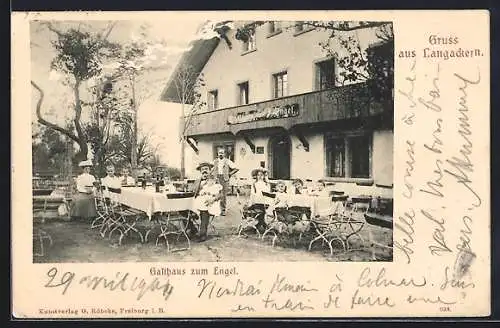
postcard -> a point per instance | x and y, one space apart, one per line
250 164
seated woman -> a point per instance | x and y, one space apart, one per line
257 187
83 201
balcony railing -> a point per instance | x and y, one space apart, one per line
340 103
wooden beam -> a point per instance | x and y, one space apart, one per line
302 139
249 142
191 142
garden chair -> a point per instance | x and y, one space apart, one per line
124 219
248 218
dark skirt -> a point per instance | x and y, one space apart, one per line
83 206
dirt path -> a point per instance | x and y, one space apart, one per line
76 242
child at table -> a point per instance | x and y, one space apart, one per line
295 213
280 200
169 187
276 212
298 187
319 189
280 187
209 197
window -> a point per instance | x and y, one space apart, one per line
335 152
213 100
348 157
280 85
359 148
274 27
250 43
243 93
227 146
325 74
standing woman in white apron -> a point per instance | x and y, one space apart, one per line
83 201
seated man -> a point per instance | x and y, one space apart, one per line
200 194
126 179
209 197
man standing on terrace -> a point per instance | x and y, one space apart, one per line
223 169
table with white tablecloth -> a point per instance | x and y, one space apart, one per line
149 201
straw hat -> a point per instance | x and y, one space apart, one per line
85 163
257 170
204 164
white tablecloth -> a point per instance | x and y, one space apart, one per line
150 201
319 205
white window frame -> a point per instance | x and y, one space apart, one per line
274 85
211 104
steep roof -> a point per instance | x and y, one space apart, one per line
197 56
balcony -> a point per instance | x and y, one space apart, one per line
340 103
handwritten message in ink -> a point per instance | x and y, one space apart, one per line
439 261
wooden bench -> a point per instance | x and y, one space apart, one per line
47 206
381 220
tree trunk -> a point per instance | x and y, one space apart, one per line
133 155
183 140
79 138
183 165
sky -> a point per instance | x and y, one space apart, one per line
157 118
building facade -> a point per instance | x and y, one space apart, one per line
275 101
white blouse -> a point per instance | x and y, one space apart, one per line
85 183
259 186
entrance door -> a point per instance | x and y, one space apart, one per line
279 153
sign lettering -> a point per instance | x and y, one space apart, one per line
269 113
